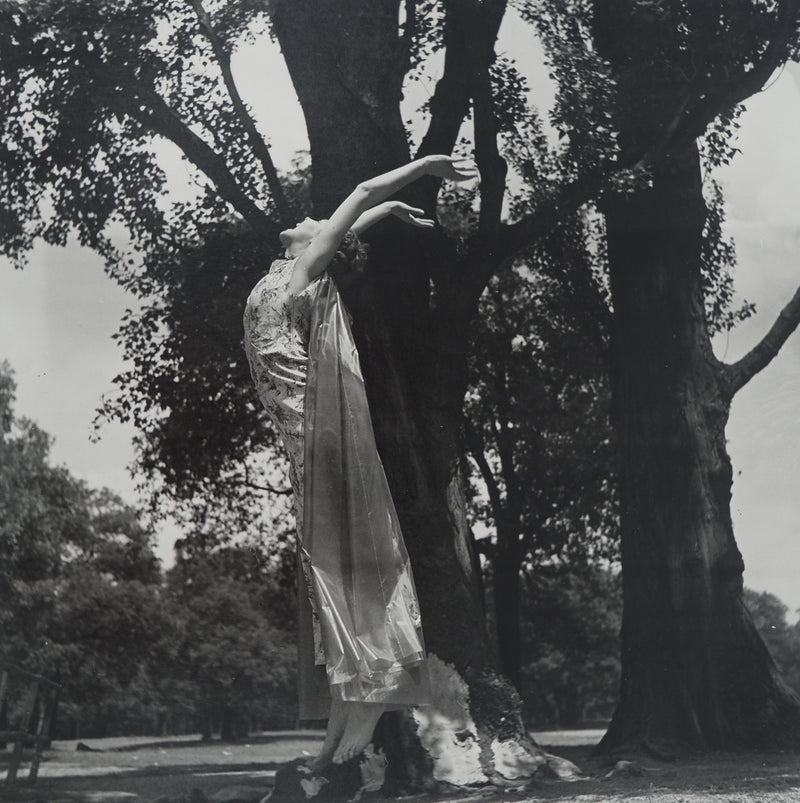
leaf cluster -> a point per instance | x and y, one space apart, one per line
85 88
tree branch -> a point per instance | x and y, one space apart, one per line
245 482
147 107
470 31
476 448
269 488
400 61
450 101
761 355
488 253
492 166
257 143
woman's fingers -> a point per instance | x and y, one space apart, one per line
410 210
463 163
464 168
412 215
454 168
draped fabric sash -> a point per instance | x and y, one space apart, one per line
362 583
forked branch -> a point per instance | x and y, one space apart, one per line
257 143
470 31
147 107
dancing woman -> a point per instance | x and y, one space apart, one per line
360 642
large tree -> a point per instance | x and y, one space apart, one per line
694 670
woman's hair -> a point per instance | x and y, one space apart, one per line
350 259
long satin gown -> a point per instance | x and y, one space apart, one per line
360 636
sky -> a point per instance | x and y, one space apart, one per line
761 188
58 315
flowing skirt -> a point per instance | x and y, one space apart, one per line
360 636
363 588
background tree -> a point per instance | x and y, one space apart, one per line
44 518
694 669
232 643
85 602
537 427
782 638
79 578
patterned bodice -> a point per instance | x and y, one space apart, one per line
276 332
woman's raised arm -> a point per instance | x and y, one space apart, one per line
367 195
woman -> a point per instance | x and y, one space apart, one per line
360 646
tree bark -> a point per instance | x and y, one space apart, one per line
694 670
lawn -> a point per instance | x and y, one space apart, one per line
150 769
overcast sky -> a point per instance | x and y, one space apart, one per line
58 315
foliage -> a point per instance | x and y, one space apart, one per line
718 262
671 63
188 388
782 638
571 666
80 580
205 448
232 644
668 61
43 516
587 96
86 86
85 602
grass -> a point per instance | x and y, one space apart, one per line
152 768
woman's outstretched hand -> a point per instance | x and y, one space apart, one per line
410 214
454 168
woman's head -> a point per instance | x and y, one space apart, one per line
297 239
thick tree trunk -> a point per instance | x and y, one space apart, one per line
694 669
342 58
414 359
356 130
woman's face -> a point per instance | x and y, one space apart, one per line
297 239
